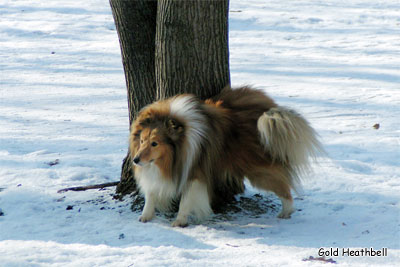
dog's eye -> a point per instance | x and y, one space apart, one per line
154 144
137 133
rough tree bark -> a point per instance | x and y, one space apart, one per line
136 26
170 47
192 47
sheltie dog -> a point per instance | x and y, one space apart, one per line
190 150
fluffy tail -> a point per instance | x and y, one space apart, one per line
290 140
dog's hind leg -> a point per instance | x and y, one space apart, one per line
275 178
196 201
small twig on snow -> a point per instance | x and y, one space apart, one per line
88 187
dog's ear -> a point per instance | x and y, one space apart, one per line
174 128
145 122
171 124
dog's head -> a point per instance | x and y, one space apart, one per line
150 146
155 139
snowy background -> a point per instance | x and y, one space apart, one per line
64 122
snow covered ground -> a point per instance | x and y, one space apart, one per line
64 122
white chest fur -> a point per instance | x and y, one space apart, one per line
161 190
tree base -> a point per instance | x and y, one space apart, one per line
127 184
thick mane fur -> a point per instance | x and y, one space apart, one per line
188 110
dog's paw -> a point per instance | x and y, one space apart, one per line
180 223
145 218
287 209
285 214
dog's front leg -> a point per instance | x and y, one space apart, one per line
194 201
149 208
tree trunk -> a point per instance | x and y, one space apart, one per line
170 47
192 47
136 26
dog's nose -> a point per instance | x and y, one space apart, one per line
136 160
